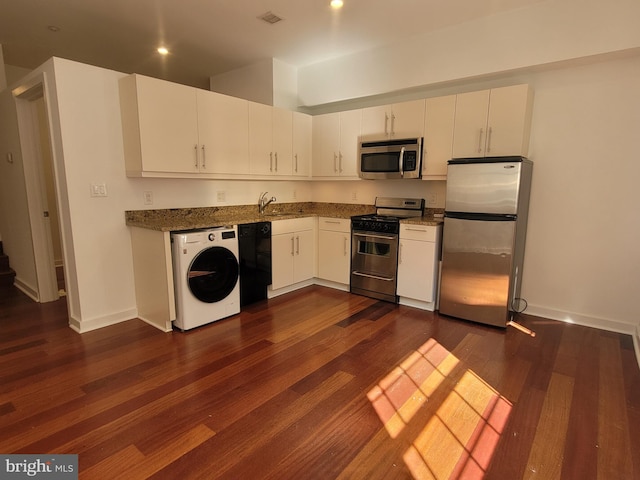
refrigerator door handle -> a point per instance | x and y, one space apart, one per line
487 217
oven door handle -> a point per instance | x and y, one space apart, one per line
384 237
368 275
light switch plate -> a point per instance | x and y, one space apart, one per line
98 189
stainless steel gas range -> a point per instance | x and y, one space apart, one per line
374 247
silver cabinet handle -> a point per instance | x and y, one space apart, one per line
271 161
276 155
297 245
292 246
393 125
480 140
410 229
296 163
195 149
401 162
335 162
345 246
386 120
204 158
489 139
340 162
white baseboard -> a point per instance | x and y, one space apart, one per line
580 319
588 321
290 288
25 288
83 326
636 344
410 302
330 284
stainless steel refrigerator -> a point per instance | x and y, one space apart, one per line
484 233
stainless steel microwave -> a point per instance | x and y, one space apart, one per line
388 159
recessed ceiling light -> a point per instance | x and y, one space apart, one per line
337 4
53 28
163 51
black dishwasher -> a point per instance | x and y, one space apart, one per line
254 244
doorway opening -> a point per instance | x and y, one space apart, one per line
40 182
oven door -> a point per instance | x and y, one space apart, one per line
374 263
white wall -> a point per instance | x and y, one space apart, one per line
582 261
544 33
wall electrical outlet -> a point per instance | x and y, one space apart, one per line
148 197
98 189
354 195
295 194
222 196
432 199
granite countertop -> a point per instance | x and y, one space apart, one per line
177 219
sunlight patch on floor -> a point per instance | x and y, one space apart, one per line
459 438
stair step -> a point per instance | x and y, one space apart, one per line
6 278
4 263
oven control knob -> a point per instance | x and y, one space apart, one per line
212 237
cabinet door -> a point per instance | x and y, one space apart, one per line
305 256
223 130
509 121
416 270
302 128
282 141
375 121
438 136
407 119
349 138
470 128
168 123
261 154
326 144
334 256
282 255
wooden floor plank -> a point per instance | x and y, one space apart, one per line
304 386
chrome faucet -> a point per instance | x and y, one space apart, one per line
263 202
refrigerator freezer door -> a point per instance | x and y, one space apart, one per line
477 261
484 187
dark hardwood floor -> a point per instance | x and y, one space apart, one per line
320 384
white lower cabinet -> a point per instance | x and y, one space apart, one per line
293 251
418 262
334 249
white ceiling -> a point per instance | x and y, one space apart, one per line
208 37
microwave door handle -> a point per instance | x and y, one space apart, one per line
402 162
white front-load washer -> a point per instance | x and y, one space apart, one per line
206 275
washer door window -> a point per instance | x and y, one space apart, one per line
213 274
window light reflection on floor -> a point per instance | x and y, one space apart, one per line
459 439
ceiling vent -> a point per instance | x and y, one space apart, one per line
270 17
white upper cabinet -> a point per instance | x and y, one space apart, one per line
223 125
399 120
270 140
302 124
171 129
438 136
493 122
335 144
160 126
